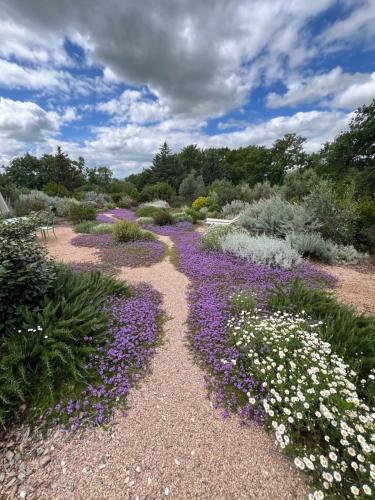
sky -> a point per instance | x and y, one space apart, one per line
112 80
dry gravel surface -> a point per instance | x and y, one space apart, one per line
172 443
355 287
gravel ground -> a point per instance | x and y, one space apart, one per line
172 442
355 287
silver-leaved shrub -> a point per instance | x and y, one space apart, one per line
260 249
277 217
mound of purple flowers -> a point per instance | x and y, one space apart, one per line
118 213
214 277
121 362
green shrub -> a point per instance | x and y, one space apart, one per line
55 189
234 208
261 191
103 228
97 199
82 212
85 226
25 273
63 206
195 215
337 214
182 216
147 235
200 202
163 218
351 335
222 192
159 191
125 231
109 205
48 359
127 202
35 201
212 239
148 211
145 220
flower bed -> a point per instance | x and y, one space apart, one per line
308 396
118 213
113 254
131 339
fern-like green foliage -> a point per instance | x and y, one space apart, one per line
351 335
49 356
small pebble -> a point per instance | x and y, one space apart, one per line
23 494
149 481
166 491
177 462
138 469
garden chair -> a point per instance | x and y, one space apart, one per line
222 222
49 226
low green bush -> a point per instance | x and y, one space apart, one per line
212 239
147 235
85 226
82 212
103 228
145 220
351 335
163 218
125 231
48 358
148 211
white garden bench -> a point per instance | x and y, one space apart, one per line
222 222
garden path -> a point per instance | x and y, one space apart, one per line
172 442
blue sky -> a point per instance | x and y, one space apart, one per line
112 80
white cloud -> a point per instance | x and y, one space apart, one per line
199 58
357 94
334 88
359 25
134 106
23 126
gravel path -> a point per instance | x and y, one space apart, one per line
172 443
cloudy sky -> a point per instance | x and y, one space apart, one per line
111 80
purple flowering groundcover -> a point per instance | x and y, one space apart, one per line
113 255
133 333
214 276
117 213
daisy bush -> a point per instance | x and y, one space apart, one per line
307 395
